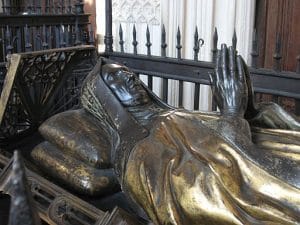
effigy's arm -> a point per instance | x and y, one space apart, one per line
267 114
271 115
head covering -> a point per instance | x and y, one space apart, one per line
125 131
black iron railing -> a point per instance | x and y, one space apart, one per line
271 81
41 24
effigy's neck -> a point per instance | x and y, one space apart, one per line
145 113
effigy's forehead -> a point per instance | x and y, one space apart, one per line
115 70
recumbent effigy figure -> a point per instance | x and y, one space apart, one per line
181 167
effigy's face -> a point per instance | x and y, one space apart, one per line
127 87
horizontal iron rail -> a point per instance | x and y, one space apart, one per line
68 49
40 20
264 80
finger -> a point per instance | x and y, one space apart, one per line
218 68
248 80
224 62
232 63
241 75
241 72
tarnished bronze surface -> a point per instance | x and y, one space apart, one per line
77 133
272 116
192 168
75 173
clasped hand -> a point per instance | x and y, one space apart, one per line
229 84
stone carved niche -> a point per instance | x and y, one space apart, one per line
136 11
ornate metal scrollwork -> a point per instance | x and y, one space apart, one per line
43 84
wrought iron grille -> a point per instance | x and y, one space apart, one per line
35 25
44 83
281 86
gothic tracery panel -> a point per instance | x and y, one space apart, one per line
136 11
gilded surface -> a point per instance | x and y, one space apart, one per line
77 153
188 168
187 173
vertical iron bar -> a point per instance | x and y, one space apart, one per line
85 37
68 35
28 45
215 46
49 37
3 6
33 7
180 102
178 46
47 6
73 37
108 38
234 39
148 43
44 37
35 38
69 7
8 7
134 42
254 53
196 44
77 33
214 59
58 8
163 41
62 36
121 42
150 82
63 7
57 36
3 43
298 64
91 35
39 7
19 39
277 55
29 7
165 90
9 47
53 7
79 7
196 96
164 54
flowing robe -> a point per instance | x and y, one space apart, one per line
190 172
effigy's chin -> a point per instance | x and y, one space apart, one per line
185 173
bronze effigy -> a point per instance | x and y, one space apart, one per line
185 167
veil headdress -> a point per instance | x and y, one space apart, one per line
125 131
